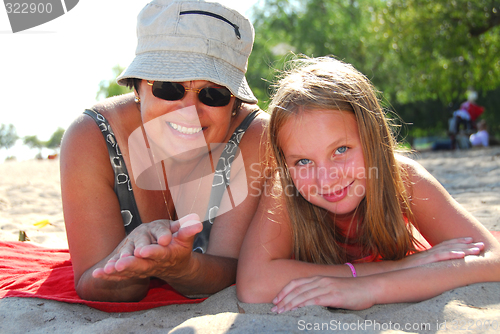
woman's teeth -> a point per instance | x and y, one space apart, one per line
184 130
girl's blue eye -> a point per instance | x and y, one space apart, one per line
341 150
303 162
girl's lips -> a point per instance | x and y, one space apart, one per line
337 195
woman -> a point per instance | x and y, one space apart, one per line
169 144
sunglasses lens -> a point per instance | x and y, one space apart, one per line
173 91
215 97
170 91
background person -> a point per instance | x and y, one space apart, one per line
480 138
465 117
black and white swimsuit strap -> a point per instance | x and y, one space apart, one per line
221 181
123 186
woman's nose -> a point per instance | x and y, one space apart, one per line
190 97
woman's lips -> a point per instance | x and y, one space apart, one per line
337 195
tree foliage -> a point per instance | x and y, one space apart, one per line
418 53
55 140
33 142
443 47
108 88
8 136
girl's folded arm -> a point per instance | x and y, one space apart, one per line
266 262
266 265
439 217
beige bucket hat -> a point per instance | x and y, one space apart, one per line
193 40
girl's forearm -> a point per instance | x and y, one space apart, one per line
424 282
262 282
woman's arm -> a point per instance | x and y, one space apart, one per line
173 261
438 217
94 225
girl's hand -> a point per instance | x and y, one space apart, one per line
346 293
157 249
355 293
447 250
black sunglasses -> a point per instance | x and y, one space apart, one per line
174 91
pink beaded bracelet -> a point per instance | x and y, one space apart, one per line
352 268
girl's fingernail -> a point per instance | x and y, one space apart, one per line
475 249
274 309
479 244
295 308
275 300
281 310
468 239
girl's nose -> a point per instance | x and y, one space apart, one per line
327 176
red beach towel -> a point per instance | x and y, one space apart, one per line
27 270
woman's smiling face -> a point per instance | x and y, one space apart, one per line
185 125
323 152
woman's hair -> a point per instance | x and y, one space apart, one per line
382 230
133 83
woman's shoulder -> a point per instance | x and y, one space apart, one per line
85 136
116 110
256 131
115 101
261 120
254 143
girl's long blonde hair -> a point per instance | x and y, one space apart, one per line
384 214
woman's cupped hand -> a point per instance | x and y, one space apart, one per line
161 248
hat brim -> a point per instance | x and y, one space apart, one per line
186 66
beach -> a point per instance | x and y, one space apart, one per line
30 202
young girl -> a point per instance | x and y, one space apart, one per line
343 221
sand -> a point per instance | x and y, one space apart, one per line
30 193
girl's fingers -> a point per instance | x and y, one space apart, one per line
290 287
314 292
293 299
466 240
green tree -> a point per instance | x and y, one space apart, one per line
421 54
108 88
8 136
442 47
412 50
312 27
55 140
33 142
